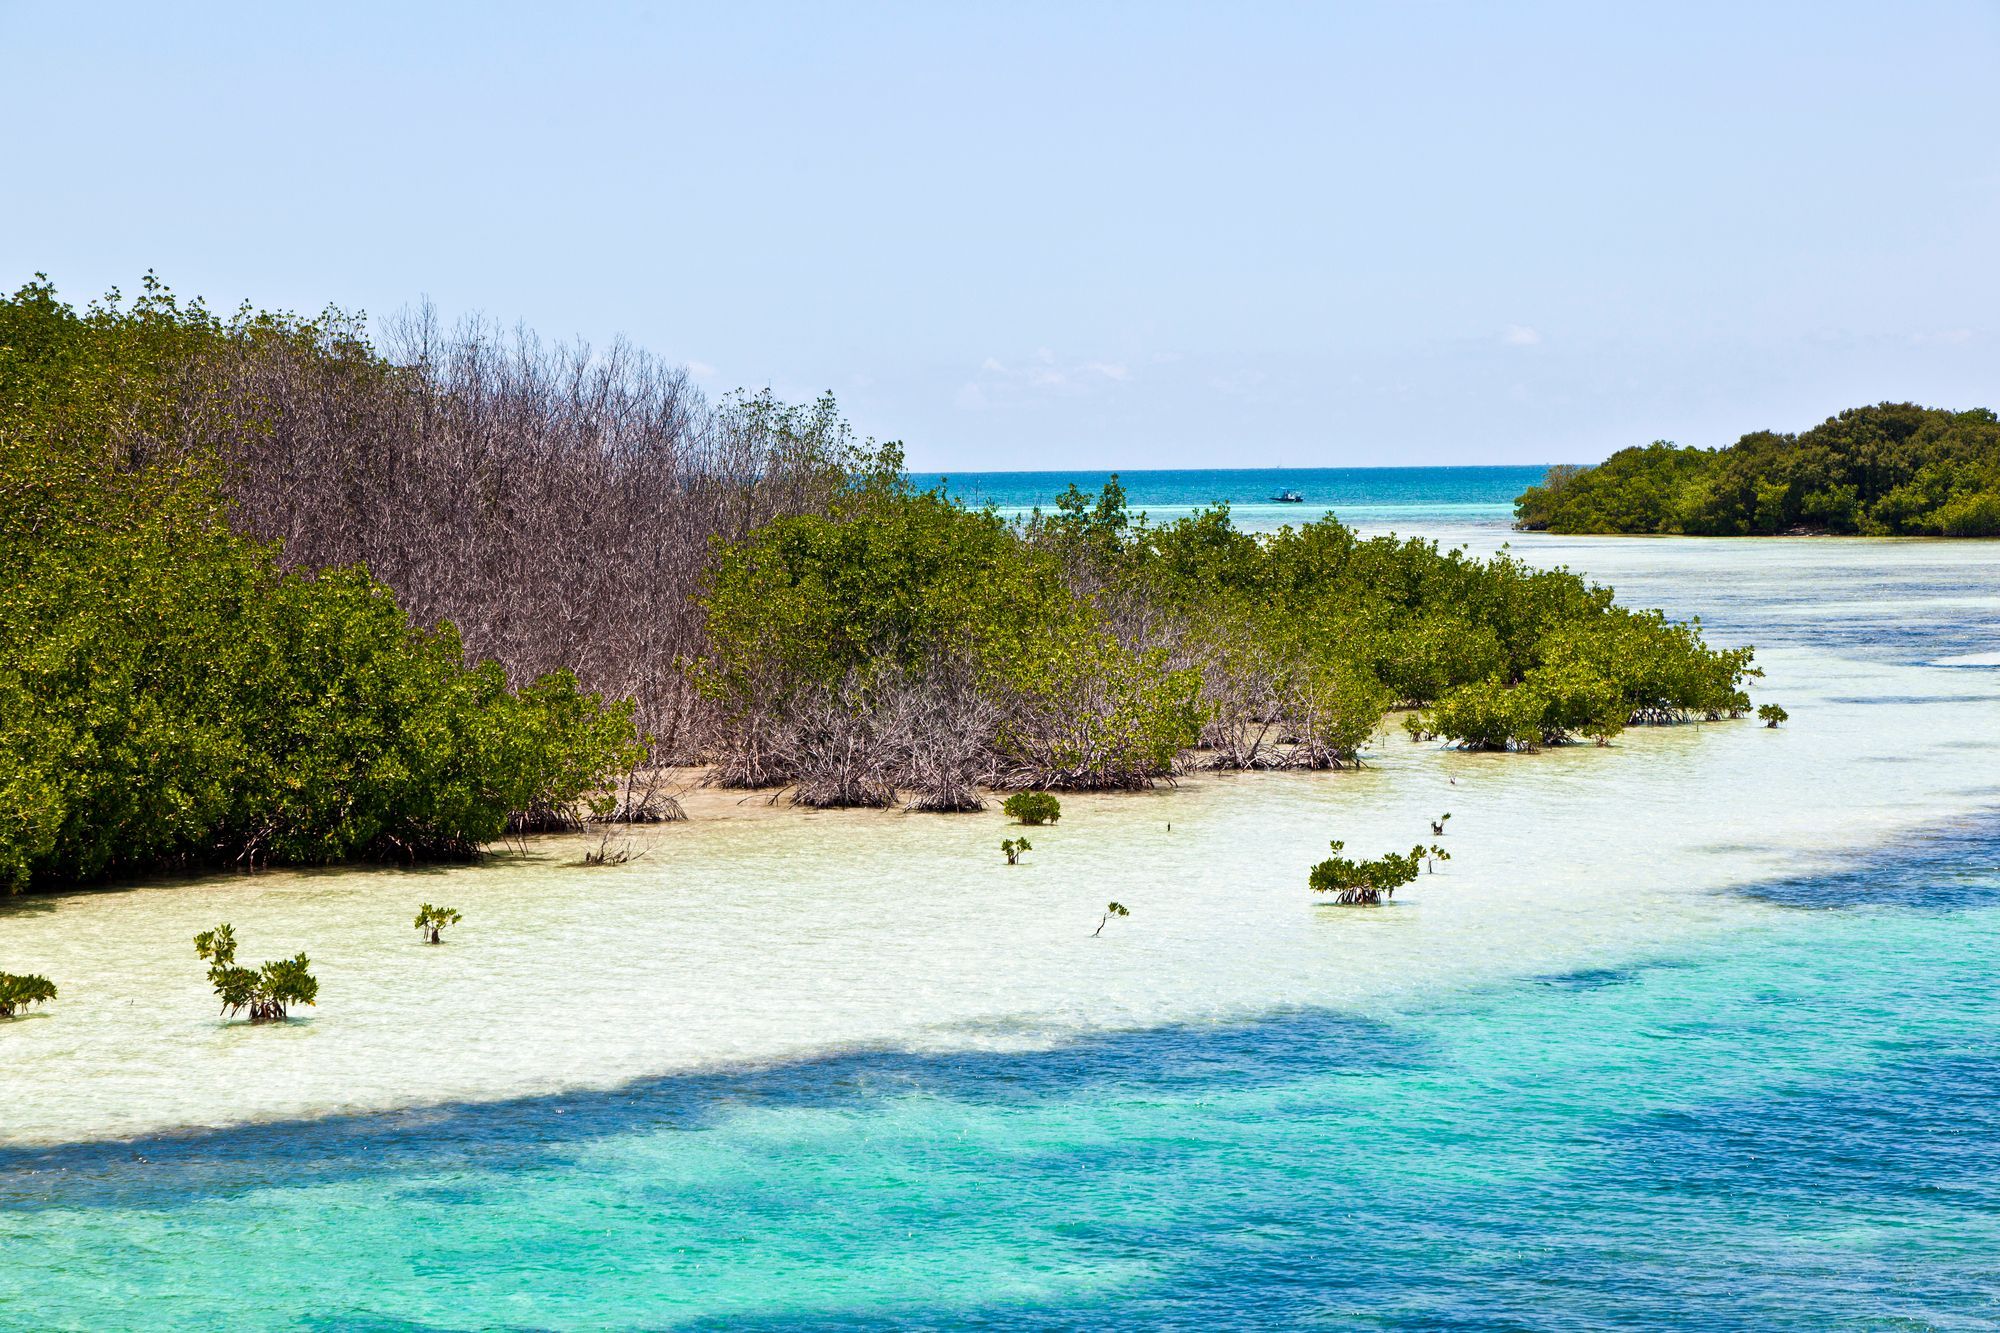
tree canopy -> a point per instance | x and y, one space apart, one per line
1890 469
172 696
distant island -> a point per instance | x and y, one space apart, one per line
1895 469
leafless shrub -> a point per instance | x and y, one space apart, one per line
647 797
941 728
609 853
558 504
840 755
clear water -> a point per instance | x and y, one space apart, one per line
1357 495
1694 1031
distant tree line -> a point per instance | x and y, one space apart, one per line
1891 469
272 593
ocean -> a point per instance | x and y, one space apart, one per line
1694 1031
1358 496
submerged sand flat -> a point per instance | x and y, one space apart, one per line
746 935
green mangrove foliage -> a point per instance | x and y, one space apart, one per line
172 696
1032 807
431 922
1772 714
901 643
265 991
1110 910
1365 883
1013 847
236 557
1494 653
18 992
1593 679
1894 468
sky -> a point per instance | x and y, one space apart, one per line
1080 234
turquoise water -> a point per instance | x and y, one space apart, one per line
1798 1127
1695 1032
1366 496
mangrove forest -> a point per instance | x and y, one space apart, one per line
1894 469
276 590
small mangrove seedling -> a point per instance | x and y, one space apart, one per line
1032 807
19 992
1364 883
609 853
1772 714
1014 847
431 920
1437 825
1432 855
1110 910
265 991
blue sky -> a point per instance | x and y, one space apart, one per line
1049 235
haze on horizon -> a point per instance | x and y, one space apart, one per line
1091 236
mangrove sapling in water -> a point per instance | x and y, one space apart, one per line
1432 855
17 992
610 854
1364 883
432 920
1437 825
1032 807
264 991
1771 714
1110 910
1014 847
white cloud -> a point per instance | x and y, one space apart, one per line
701 370
1520 335
1042 373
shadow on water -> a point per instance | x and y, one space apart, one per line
1599 978
525 1133
1945 869
1710 1218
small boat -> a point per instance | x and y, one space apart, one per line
1288 498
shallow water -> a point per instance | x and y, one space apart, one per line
1696 1029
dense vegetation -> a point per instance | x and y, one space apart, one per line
1892 469
901 644
172 695
270 593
